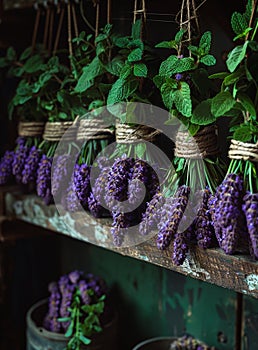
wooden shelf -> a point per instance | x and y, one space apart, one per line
238 272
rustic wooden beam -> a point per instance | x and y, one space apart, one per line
238 272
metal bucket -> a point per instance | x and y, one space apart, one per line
39 338
158 343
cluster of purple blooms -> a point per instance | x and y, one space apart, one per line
90 288
226 211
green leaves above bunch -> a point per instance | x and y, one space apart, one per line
183 80
134 55
238 97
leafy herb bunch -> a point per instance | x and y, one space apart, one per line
76 308
183 80
238 97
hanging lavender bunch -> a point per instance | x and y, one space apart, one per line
250 209
97 196
180 248
169 227
6 167
137 184
51 322
67 289
61 172
228 211
69 199
29 173
19 161
120 224
151 216
82 183
118 178
44 179
203 228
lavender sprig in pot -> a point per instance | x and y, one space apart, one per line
78 310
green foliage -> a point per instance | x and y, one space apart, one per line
183 80
222 103
84 320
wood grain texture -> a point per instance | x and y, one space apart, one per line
238 272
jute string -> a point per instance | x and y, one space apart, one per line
93 129
130 134
30 129
202 145
139 11
242 150
54 131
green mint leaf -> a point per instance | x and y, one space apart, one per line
25 54
11 54
202 114
164 45
115 66
238 23
222 103
135 55
121 42
243 133
182 100
3 62
208 60
136 29
121 90
69 331
140 70
159 81
233 77
205 43
84 340
33 64
193 129
242 35
236 56
248 104
90 72
167 95
64 319
183 65
221 75
179 35
248 10
166 66
194 49
137 43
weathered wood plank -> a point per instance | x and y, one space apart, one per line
236 272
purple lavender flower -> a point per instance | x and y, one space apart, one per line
180 248
51 322
118 178
82 183
169 227
120 224
203 227
44 179
74 276
97 196
61 172
6 167
29 173
19 160
138 181
151 216
250 209
70 199
227 212
84 288
67 297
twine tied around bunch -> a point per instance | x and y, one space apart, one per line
31 129
126 133
93 129
201 145
54 131
243 150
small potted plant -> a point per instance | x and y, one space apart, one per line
77 315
